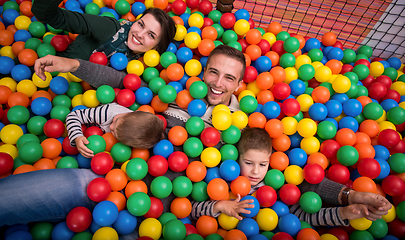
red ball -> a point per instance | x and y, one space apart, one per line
340 233
54 128
281 90
329 148
157 165
389 138
210 137
6 163
282 236
278 47
290 107
250 74
398 199
393 185
102 163
126 97
178 161
179 7
190 229
264 45
132 82
252 23
68 38
367 81
244 44
399 148
384 80
290 194
313 173
192 3
346 68
163 120
68 148
339 173
392 94
98 189
205 7
93 130
266 196
156 208
377 90
79 219
397 228
207 22
338 45
60 43
369 167
227 20
99 58
362 61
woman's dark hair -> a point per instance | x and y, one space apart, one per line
168 27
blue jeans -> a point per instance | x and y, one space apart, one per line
45 195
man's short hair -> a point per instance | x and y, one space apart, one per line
232 53
254 138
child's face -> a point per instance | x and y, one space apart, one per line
254 165
116 121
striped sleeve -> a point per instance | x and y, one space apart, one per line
74 120
324 217
202 208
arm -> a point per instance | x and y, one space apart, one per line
324 217
328 190
202 208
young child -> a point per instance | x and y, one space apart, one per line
135 129
255 149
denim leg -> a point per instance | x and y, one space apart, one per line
45 195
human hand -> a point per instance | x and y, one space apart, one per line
52 63
233 208
81 146
355 211
375 203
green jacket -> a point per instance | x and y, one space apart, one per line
93 30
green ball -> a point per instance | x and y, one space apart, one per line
107 14
274 178
67 162
120 152
167 94
82 236
352 76
315 54
362 91
361 235
74 89
349 56
193 147
299 116
329 87
62 100
287 60
360 118
122 7
283 35
396 115
198 90
199 191
171 14
366 50
36 125
373 111
166 217
291 45
45 49
32 43
235 45
138 204
42 230
167 58
248 104
362 71
96 144
306 72
53 30
47 39
261 30
229 151
18 114
353 90
220 30
28 137
229 36
215 16
360 56
195 126
149 74
30 152
310 202
161 187
231 135
174 230
347 155
217 43
326 130
105 94
401 78
156 84
194 236
134 106
378 229
396 162
137 168
60 112
92 8
216 236
305 225
42 137
11 5
182 186
17 162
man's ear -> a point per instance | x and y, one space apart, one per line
239 85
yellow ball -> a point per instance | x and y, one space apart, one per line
227 222
22 22
150 227
270 37
9 149
307 127
253 87
317 65
342 115
301 60
9 82
328 236
402 105
27 87
135 67
390 216
73 78
293 174
77 100
305 102
89 99
360 224
220 107
11 133
211 157
383 117
241 27
310 145
399 87
291 74
245 93
41 83
376 69
192 40
323 73
290 125
193 67
195 20
222 120
386 125
151 58
267 219
239 119
99 3
7 51
341 84
124 166
105 233
181 32
149 4
65 75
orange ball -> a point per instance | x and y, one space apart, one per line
51 148
209 32
25 8
175 71
158 105
364 100
278 74
329 38
241 185
217 189
196 171
18 98
318 158
44 163
181 207
247 59
118 199
297 53
281 143
12 29
254 52
27 57
24 168
41 93
275 128
365 150
362 138
190 81
2 27
117 178
162 4
177 135
308 234
346 136
240 89
163 75
146 108
140 153
279 161
206 46
178 20
257 120
364 184
17 47
206 225
235 234
274 57
6 37
110 140
221 232
275 28
370 127
253 36
320 94
264 81
5 93
129 16
135 186
301 40
265 96
334 65
183 98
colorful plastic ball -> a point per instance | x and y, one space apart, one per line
59 85
396 162
79 219
248 104
102 163
20 72
369 167
178 161
61 230
210 137
198 90
18 114
360 224
289 224
271 110
105 213
143 95
347 155
222 120
396 115
229 170
174 229
98 58
125 223
30 152
161 187
211 157
373 111
182 186
6 163
310 202
318 111
289 194
274 178
119 61
388 138
248 226
194 126
192 40
138 203
7 65
393 185
98 189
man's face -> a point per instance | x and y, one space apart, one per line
222 76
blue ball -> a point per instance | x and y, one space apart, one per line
318 111
295 140
394 62
335 53
263 64
126 223
334 107
83 161
22 35
183 80
196 108
242 14
105 213
59 85
9 16
298 157
354 174
118 61
352 107
184 55
143 95
248 226
203 61
163 148
41 106
385 168
6 65
349 122
385 64
1 125
94 227
83 3
185 220
256 206
341 97
185 17
290 224
72 5
20 72
176 85
16 227
381 152
137 8
194 29
389 237
297 87
19 235
311 44
280 208
387 104
258 237
332 120
114 13
229 170
271 110
212 173
103 10
62 232
78 107
259 108
171 48
326 50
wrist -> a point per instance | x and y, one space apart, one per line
345 196
75 65
217 207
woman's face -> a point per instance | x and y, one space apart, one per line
144 34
